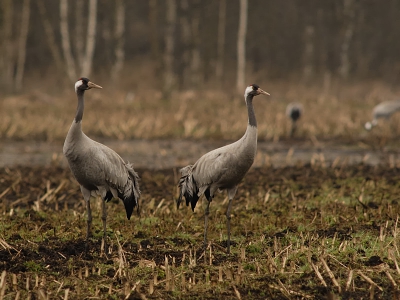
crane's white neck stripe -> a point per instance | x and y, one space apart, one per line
78 84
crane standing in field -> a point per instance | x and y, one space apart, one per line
293 112
98 168
383 110
222 168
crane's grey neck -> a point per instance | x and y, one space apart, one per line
250 111
81 105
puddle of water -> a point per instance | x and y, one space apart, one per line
162 154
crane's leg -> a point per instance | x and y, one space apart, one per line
231 194
104 219
86 196
207 212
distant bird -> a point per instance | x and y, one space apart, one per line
96 167
294 111
383 110
222 168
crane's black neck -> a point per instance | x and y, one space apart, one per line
250 111
81 105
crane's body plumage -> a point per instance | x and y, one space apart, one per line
222 168
97 168
383 110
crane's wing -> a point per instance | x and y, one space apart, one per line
211 167
119 177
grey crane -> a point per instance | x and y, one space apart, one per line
383 110
97 168
222 168
294 111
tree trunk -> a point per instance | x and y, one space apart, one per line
241 46
219 66
120 39
184 62
65 41
79 31
90 39
169 74
195 61
153 19
308 69
22 45
7 58
348 34
50 36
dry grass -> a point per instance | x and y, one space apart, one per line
298 233
331 111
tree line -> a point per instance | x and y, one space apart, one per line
190 43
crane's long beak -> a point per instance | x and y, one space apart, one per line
260 91
93 85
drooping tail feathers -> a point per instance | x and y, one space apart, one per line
131 193
188 187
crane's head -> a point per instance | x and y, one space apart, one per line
84 84
254 90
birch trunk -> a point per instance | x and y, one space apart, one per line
169 75
186 44
241 46
347 37
79 32
308 69
195 60
65 41
219 66
153 19
7 59
120 39
50 36
90 39
22 45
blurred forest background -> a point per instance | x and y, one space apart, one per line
339 54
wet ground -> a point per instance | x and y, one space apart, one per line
162 154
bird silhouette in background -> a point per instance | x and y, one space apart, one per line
294 112
383 110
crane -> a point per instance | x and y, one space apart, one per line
294 111
383 110
97 168
222 168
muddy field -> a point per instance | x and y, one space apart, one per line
298 232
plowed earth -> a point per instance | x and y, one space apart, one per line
297 233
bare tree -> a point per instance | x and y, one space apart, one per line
22 44
347 37
7 57
90 38
119 37
65 41
169 74
241 46
86 64
195 60
219 66
153 19
186 42
79 31
308 69
50 36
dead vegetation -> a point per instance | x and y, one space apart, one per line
298 233
334 110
